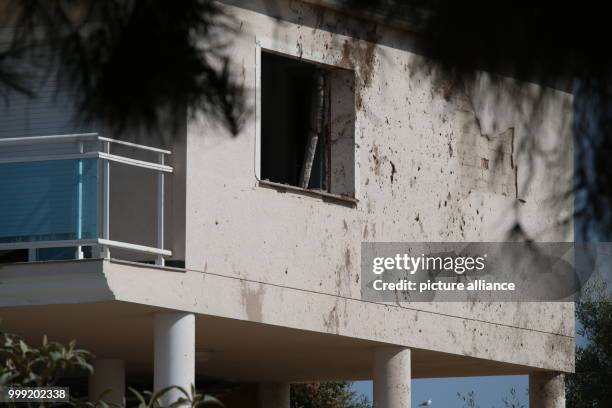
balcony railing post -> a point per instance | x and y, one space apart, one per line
79 215
160 211
105 252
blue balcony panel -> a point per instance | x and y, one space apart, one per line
48 200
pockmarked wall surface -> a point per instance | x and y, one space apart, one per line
432 163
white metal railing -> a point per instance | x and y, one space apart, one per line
100 149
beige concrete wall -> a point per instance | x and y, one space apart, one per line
419 167
291 260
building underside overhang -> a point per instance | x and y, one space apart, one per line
252 331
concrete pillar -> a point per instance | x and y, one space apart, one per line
546 389
109 374
274 395
392 377
174 360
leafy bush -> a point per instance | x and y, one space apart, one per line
26 366
334 394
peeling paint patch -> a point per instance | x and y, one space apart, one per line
360 56
252 301
332 320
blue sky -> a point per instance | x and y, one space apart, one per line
488 391
443 391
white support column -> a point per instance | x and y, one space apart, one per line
392 377
546 390
274 395
109 374
174 362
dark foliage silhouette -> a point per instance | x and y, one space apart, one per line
131 64
588 387
561 45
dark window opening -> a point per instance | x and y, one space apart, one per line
307 125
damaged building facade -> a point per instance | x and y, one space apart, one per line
242 262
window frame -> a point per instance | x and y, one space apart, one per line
263 44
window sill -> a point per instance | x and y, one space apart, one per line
338 198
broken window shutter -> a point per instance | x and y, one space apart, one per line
315 131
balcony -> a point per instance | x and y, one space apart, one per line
56 198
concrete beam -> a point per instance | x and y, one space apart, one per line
319 312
